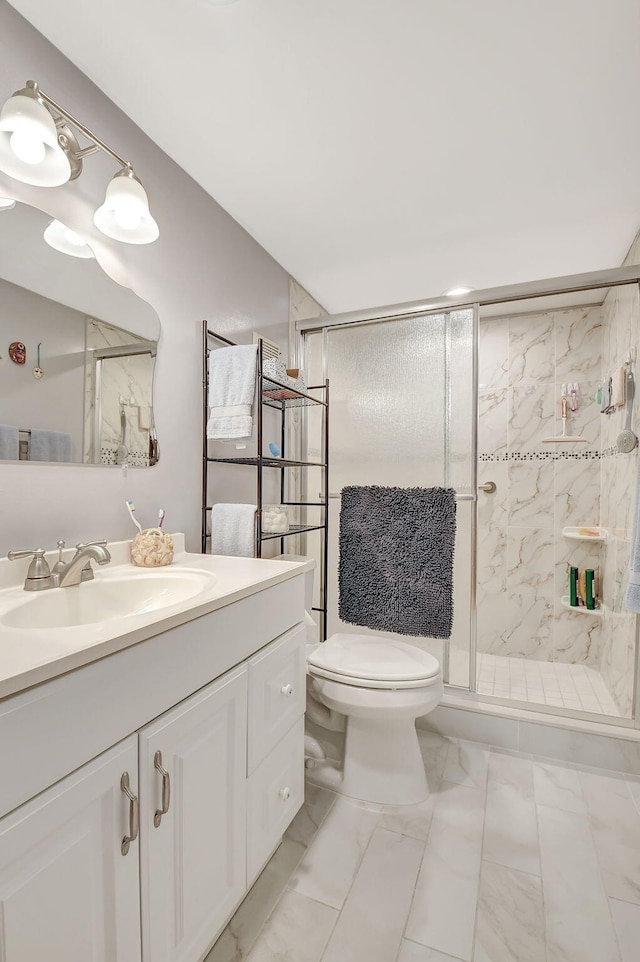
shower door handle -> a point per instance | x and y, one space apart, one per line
489 487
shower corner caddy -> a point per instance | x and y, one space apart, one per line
282 398
598 537
597 612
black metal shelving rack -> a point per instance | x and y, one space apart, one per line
283 398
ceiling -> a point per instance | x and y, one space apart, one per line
387 150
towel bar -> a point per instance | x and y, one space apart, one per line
489 487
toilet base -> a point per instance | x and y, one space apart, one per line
388 770
383 762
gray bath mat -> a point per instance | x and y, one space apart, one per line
396 559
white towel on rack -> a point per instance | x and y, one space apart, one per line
233 530
8 442
232 385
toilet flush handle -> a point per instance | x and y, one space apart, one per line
286 690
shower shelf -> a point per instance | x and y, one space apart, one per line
580 610
573 534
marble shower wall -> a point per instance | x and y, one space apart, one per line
522 555
129 379
621 337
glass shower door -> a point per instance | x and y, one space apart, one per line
402 406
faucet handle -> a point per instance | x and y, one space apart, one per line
91 544
39 574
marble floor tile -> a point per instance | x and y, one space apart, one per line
373 917
412 952
558 787
299 928
467 764
511 829
577 917
626 921
411 820
510 924
444 907
616 830
239 935
331 861
634 789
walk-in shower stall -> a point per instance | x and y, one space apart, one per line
514 402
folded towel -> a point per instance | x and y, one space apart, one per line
233 530
49 445
396 559
632 599
8 442
232 385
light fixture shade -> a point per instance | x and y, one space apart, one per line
6 203
29 148
65 240
125 215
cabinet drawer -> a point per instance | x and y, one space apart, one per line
277 692
275 792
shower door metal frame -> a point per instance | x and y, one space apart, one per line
567 284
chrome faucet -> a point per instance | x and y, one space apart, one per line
64 574
79 568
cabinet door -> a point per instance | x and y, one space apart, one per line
277 693
275 792
193 866
66 890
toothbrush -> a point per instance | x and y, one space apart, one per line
131 508
574 396
160 517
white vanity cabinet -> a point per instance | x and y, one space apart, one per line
205 721
192 856
66 890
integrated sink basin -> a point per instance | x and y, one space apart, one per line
107 597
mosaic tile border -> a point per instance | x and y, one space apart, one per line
542 456
611 452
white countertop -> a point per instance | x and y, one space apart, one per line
31 656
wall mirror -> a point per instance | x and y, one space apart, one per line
77 351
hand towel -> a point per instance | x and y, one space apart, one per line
233 530
8 442
49 445
232 385
632 599
396 559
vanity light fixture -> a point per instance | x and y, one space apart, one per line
39 146
6 203
65 240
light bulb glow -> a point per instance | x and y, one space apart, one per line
457 291
27 146
127 215
73 238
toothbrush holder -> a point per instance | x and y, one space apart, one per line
152 548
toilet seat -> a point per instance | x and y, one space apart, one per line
370 661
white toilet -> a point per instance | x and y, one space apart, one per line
381 686
373 689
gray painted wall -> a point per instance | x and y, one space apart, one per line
203 266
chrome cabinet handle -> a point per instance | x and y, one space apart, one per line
134 818
286 690
166 789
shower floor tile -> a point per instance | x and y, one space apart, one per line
528 860
545 683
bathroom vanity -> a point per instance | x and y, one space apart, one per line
150 763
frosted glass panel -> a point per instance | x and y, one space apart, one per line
401 414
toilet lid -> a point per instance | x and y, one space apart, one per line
374 659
